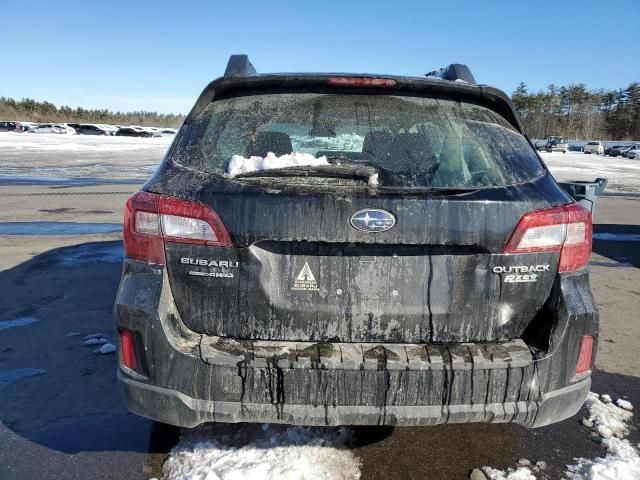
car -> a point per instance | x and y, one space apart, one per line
634 153
350 249
625 152
133 132
165 132
608 150
617 150
594 147
59 128
91 129
556 144
8 126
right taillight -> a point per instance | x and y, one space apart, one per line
128 354
151 219
567 228
585 356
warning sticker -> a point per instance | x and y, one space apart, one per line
305 280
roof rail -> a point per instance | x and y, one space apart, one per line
239 65
453 72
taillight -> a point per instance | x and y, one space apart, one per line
586 352
361 82
151 219
567 229
128 349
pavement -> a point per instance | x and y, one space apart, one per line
64 418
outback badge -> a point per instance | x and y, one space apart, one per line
372 220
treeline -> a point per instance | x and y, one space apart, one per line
30 110
577 113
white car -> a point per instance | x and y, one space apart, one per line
594 147
634 153
630 148
62 128
165 132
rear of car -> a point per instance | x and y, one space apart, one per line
634 153
556 144
323 250
594 147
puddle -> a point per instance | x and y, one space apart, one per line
617 237
57 228
91 253
8 376
18 322
67 181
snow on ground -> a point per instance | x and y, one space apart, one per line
608 421
622 173
77 143
105 349
65 157
240 164
263 452
18 322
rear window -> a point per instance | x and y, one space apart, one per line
411 141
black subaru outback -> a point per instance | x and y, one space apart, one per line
354 249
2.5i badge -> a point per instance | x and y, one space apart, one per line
305 280
521 273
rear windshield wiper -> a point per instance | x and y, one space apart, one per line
428 190
364 172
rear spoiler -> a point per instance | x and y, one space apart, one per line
240 75
240 65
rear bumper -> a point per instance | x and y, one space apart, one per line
187 379
176 408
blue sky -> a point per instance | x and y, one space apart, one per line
159 55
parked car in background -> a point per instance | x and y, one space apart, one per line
91 129
576 148
625 152
634 153
556 144
111 129
617 150
594 147
60 128
24 126
133 132
8 126
165 132
432 272
608 150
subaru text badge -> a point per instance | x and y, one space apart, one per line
372 220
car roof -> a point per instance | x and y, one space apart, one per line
249 80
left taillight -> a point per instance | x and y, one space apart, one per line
151 219
567 228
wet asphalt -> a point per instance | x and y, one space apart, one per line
60 411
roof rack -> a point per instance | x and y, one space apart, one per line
453 72
239 65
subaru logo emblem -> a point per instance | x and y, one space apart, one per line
372 220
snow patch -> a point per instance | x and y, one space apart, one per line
266 452
520 473
240 164
105 349
609 420
18 322
93 341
